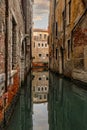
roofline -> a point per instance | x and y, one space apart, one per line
40 30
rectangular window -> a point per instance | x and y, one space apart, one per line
53 28
38 44
45 36
46 45
69 11
47 55
14 44
42 45
56 29
40 96
34 44
63 20
45 97
69 49
53 50
56 54
40 36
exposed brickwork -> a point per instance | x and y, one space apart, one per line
2 29
66 16
16 34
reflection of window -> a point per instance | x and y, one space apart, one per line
46 78
38 88
40 96
45 88
42 88
33 88
40 78
35 95
45 96
34 44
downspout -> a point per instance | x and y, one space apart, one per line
6 54
6 44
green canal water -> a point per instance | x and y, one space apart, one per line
49 102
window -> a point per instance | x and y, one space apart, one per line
40 78
45 97
47 55
40 55
38 88
38 44
56 29
63 19
42 88
69 11
1 27
40 96
34 44
45 36
69 49
14 40
56 54
53 26
53 50
42 44
40 36
46 78
45 88
33 88
46 45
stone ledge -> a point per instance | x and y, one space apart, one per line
2 76
79 75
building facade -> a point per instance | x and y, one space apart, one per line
40 48
12 51
67 48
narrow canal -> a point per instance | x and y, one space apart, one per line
49 102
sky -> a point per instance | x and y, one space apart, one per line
41 13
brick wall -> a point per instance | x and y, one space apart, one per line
80 49
2 35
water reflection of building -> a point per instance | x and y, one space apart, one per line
67 105
40 86
26 106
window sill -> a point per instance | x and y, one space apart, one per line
2 76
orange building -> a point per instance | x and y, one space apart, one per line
40 48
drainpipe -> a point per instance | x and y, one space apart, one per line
6 52
6 44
